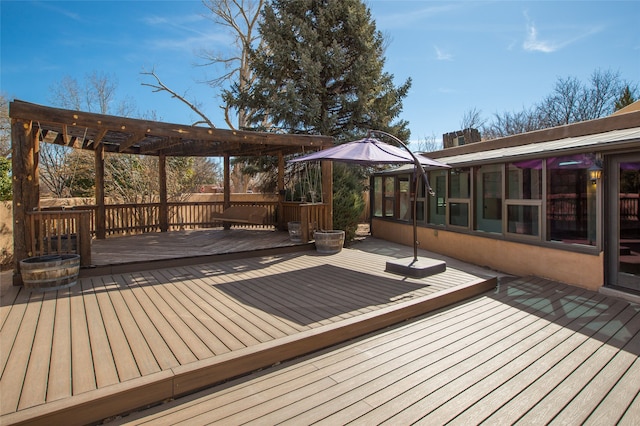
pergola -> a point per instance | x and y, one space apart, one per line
32 124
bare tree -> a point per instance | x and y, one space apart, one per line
97 93
71 173
511 123
5 126
573 101
240 17
570 102
428 144
159 86
472 119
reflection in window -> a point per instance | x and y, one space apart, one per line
460 183
523 220
571 200
524 180
489 198
438 202
377 196
389 196
459 214
404 200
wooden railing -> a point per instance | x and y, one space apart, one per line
60 232
126 219
70 230
311 217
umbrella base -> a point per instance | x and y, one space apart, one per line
420 268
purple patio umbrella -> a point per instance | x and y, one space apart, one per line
371 151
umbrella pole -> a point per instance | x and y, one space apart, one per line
415 215
413 267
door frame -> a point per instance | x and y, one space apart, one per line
612 219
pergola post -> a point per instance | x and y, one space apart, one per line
26 187
101 216
226 197
281 193
164 206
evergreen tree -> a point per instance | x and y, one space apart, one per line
319 69
625 99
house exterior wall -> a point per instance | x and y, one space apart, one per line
570 267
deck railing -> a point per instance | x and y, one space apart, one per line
70 230
60 232
311 217
126 219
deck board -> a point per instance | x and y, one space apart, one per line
620 398
36 377
145 359
83 331
582 368
18 357
554 369
182 332
494 359
59 381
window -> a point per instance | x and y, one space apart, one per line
549 199
389 196
438 202
404 198
383 196
459 196
571 200
524 197
378 196
488 200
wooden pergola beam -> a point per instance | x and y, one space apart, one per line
130 135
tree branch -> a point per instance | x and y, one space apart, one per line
161 87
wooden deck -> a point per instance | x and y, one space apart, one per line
119 341
532 352
163 249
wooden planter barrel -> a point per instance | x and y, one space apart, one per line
51 272
329 242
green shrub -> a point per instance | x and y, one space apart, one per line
5 179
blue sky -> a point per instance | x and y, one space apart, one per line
494 56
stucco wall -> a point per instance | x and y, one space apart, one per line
6 235
578 269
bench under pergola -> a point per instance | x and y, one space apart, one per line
33 124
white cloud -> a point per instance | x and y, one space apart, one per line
401 20
442 55
533 42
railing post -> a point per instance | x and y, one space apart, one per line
304 222
101 215
163 213
84 237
